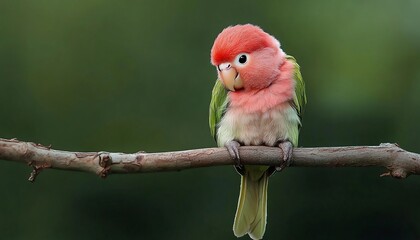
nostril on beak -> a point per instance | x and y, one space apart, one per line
224 66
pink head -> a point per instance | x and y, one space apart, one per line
246 57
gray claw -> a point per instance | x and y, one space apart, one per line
287 149
233 149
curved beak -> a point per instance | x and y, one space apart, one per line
229 77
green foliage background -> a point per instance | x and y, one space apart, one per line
135 75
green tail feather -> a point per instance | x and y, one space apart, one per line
251 214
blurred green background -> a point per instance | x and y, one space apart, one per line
135 75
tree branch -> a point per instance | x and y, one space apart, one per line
400 163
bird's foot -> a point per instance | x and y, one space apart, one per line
233 149
287 151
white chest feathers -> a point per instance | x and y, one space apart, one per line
266 128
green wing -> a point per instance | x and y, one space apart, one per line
299 99
218 104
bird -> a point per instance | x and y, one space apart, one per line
257 100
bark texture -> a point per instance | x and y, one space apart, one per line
400 163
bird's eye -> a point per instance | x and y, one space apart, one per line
242 58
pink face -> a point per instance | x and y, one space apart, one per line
246 58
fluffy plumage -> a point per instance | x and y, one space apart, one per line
240 38
266 109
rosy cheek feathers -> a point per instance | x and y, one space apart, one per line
287 70
279 93
263 68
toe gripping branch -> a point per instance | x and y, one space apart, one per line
286 148
233 149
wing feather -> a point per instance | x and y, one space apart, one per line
299 99
218 105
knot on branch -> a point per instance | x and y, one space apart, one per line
399 173
396 173
105 162
39 145
392 145
37 168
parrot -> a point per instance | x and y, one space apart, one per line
257 100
